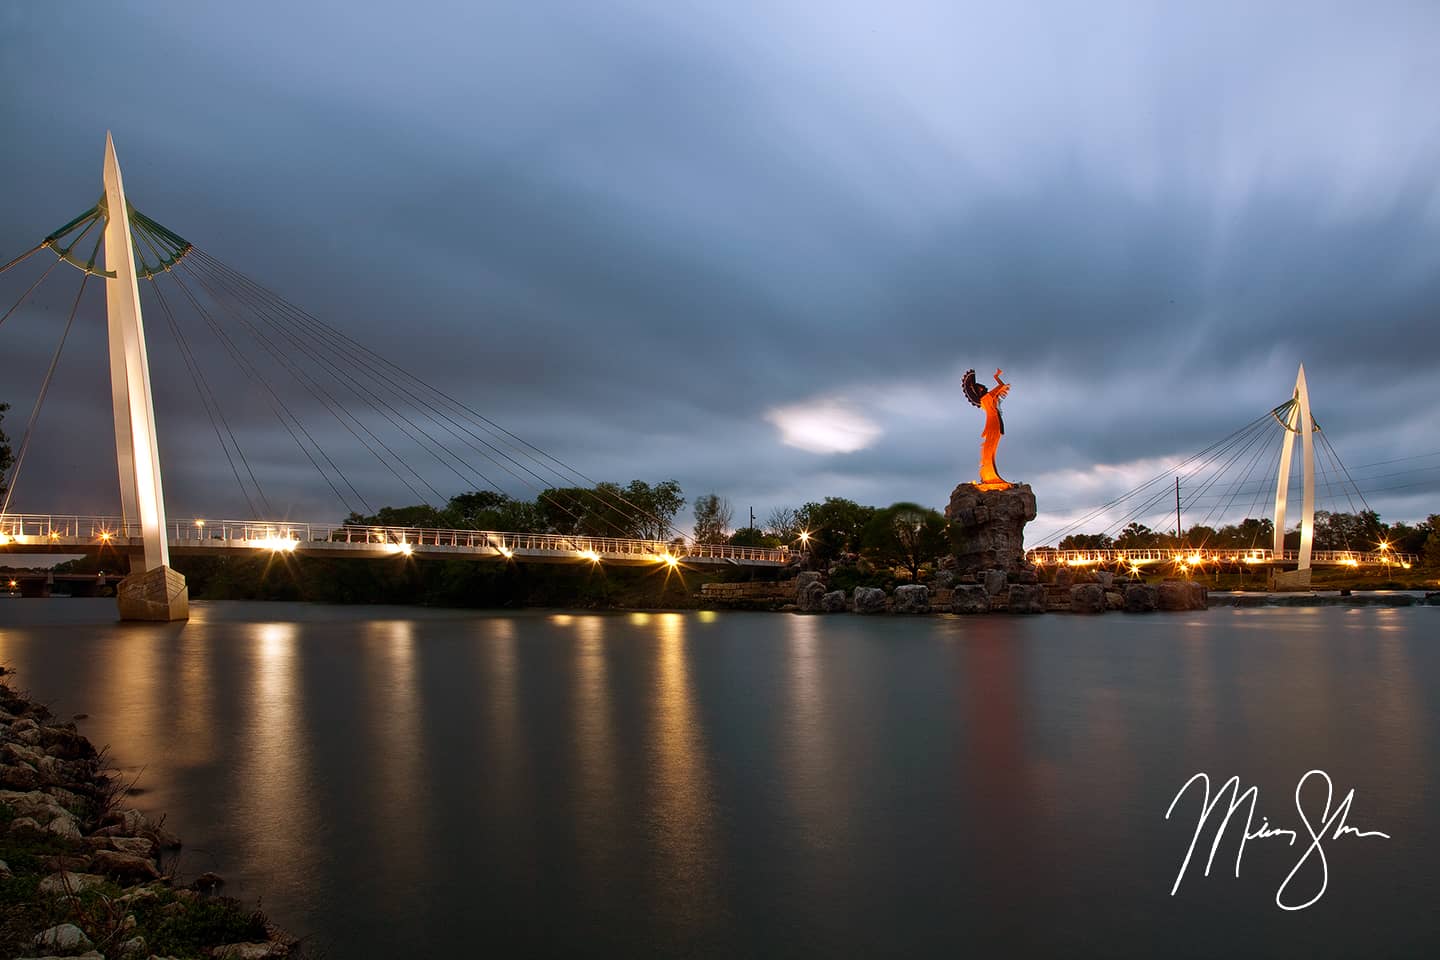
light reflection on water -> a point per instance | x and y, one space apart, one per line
680 801
729 784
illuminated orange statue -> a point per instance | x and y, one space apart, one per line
989 401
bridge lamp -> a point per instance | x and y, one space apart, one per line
407 549
805 537
506 552
670 561
3 539
590 555
13 584
105 536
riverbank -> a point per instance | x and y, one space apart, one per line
81 875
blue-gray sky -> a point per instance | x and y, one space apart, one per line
753 246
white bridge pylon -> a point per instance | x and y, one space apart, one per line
1297 421
142 495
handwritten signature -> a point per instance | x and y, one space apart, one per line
1331 825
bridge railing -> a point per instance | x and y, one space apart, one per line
44 526
39 528
1149 555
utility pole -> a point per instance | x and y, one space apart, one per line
752 518
1177 511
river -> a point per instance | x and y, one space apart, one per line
399 782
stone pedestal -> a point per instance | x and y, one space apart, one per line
159 594
990 526
1290 581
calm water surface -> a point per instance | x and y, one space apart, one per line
752 784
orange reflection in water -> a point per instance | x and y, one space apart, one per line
815 764
194 692
398 782
683 828
135 703
597 803
275 792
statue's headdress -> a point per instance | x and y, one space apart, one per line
974 392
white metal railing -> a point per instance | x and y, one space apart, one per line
1196 557
70 529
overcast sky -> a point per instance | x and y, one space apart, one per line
754 246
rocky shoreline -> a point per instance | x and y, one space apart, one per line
991 591
82 876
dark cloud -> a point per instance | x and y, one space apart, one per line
631 232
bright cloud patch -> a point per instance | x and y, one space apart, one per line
823 426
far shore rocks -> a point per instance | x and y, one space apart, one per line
869 600
1087 598
912 598
970 598
1022 592
1142 598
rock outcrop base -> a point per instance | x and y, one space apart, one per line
990 526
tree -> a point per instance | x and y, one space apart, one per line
712 518
420 515
659 504
1432 542
1087 541
1405 538
753 537
638 510
6 457
1200 536
1136 536
783 524
906 535
1246 535
488 510
834 527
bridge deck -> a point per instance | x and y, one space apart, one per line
1043 556
36 533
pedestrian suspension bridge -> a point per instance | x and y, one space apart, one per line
1230 479
240 341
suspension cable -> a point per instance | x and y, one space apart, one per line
29 290
336 335
40 399
276 404
207 399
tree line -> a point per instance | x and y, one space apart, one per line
903 535
1359 531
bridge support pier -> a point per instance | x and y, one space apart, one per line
1290 581
156 592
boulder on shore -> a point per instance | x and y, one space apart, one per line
1183 595
807 596
869 600
912 598
1027 598
1141 598
1087 598
970 598
833 602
